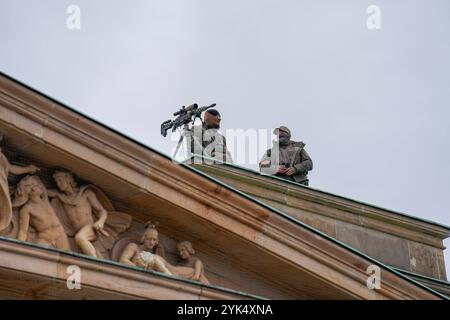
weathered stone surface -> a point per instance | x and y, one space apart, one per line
423 260
383 247
324 224
441 264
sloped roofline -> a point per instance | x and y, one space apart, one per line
274 210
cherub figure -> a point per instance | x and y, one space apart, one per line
5 200
36 211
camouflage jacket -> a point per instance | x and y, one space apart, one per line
209 143
292 155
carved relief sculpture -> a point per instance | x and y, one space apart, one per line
5 199
87 215
36 211
186 253
146 256
82 218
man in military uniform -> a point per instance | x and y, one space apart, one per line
206 139
287 159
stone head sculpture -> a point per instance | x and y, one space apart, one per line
150 238
30 185
64 180
185 249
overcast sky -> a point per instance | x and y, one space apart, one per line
372 106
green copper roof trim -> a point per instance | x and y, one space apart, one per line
413 274
232 189
322 191
118 264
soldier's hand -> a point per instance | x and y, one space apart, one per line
281 169
265 164
290 171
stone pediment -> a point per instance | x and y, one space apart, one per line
247 248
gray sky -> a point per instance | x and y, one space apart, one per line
372 106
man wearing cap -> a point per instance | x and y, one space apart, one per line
287 159
206 139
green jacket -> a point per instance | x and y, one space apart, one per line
292 155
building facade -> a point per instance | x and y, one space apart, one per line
256 236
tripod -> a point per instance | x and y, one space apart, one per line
187 132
